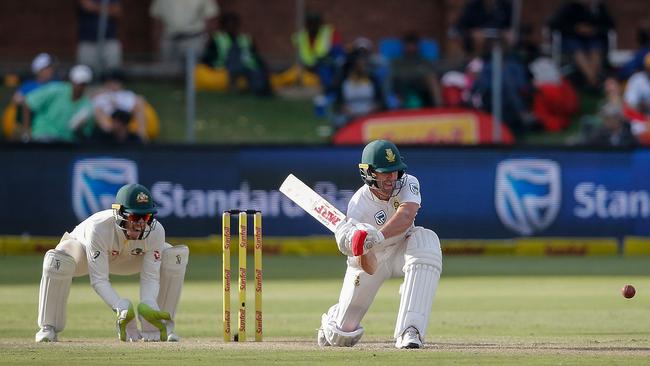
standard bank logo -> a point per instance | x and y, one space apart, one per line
527 196
95 183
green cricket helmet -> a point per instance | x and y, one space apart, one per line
381 156
133 202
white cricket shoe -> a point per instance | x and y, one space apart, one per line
173 337
409 339
46 334
322 341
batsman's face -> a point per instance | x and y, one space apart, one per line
386 184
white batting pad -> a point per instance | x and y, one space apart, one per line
334 336
58 268
172 276
423 264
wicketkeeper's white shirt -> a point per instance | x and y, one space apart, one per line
108 251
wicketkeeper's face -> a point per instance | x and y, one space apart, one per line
135 225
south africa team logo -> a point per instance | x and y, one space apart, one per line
527 195
380 217
95 183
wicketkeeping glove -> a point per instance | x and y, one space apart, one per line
127 329
157 318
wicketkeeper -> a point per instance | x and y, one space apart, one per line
383 211
124 240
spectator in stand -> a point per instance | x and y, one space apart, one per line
62 111
482 20
359 93
555 101
615 130
113 97
584 25
182 25
43 70
636 63
413 78
236 52
88 32
320 50
637 91
516 92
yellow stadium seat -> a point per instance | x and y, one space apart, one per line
9 123
152 122
208 78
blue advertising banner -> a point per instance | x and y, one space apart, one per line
466 192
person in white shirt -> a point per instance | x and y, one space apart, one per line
384 210
637 91
113 97
124 240
182 25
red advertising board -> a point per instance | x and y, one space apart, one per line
424 126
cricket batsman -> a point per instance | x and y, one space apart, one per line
124 240
382 213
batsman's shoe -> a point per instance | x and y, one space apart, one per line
320 338
173 337
410 339
46 334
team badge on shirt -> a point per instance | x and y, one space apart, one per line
396 204
156 255
380 217
414 189
137 251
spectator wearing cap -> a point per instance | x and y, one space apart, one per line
62 110
43 70
114 97
637 91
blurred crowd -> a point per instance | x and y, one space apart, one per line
541 84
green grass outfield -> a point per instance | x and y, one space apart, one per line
488 311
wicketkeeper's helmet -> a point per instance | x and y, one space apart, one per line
134 203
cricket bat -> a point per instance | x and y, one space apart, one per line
323 211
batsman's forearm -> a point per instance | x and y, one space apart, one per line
401 221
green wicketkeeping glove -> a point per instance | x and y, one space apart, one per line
155 318
125 314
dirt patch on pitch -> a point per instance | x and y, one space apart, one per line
282 344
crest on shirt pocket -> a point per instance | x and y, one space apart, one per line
156 255
380 217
